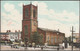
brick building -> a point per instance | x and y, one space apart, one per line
30 25
75 37
10 36
4 36
52 37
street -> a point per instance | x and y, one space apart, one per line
6 47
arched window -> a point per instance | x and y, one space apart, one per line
26 29
48 38
34 13
55 40
51 39
26 12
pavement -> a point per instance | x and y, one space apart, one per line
6 47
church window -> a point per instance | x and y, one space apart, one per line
55 39
61 39
51 39
35 23
26 29
26 12
48 38
34 13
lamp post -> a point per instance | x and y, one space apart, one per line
72 37
58 41
0 22
0 28
79 26
58 37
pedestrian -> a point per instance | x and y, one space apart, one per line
58 48
63 46
42 48
33 44
11 46
45 45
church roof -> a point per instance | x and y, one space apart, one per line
45 29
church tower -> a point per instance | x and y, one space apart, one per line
29 22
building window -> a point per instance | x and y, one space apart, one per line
48 38
61 39
55 39
16 37
26 12
51 39
34 13
34 23
26 29
12 37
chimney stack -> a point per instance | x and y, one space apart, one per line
9 30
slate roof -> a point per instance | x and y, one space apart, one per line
45 29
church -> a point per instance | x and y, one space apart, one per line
30 25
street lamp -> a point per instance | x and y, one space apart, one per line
79 29
58 37
72 37
0 24
58 41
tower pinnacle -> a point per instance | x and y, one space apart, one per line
30 2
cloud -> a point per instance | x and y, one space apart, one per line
9 7
21 4
35 3
62 21
42 8
12 19
55 25
51 13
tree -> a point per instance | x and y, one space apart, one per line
36 38
69 40
41 39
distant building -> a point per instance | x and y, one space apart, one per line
30 25
14 35
76 37
4 36
10 36
52 37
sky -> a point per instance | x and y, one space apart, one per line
52 15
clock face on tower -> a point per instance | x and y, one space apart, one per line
35 24
26 12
